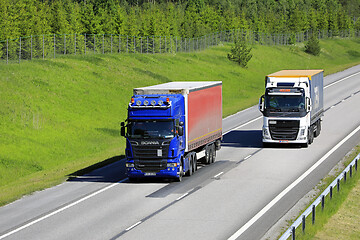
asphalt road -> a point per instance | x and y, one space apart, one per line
240 196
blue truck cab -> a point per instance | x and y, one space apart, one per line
155 140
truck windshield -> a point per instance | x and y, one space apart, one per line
284 103
151 129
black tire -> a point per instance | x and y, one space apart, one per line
318 128
311 135
179 178
190 171
195 163
207 155
213 153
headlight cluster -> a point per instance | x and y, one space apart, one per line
130 165
266 134
171 165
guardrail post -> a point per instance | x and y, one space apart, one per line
331 192
322 202
313 214
293 233
356 161
338 185
350 170
344 176
303 223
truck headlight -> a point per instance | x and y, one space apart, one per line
171 165
130 165
266 134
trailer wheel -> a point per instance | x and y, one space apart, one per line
213 153
207 155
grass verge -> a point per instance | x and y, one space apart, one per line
58 116
338 219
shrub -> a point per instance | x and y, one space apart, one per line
240 53
313 46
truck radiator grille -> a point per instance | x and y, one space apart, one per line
284 129
150 152
150 158
150 165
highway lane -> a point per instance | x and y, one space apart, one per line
218 199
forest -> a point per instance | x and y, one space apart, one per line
185 18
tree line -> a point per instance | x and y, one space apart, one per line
185 18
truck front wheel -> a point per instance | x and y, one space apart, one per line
179 178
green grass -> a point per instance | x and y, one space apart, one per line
339 218
61 115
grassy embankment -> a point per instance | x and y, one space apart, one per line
340 218
61 115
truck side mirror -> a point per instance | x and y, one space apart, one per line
308 104
261 103
181 131
181 123
122 130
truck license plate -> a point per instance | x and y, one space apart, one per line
159 153
150 174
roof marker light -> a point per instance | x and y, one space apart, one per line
146 102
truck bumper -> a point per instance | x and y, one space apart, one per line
284 141
167 173
171 171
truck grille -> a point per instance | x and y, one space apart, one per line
150 165
284 129
150 158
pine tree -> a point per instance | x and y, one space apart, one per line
240 52
313 45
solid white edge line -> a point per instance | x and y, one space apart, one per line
132 226
290 187
331 84
217 175
61 209
247 157
181 197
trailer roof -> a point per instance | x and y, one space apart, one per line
181 86
296 73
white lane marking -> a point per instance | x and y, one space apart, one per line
181 197
290 187
61 209
217 175
341 80
251 121
247 157
132 226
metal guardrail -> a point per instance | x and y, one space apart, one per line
320 200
